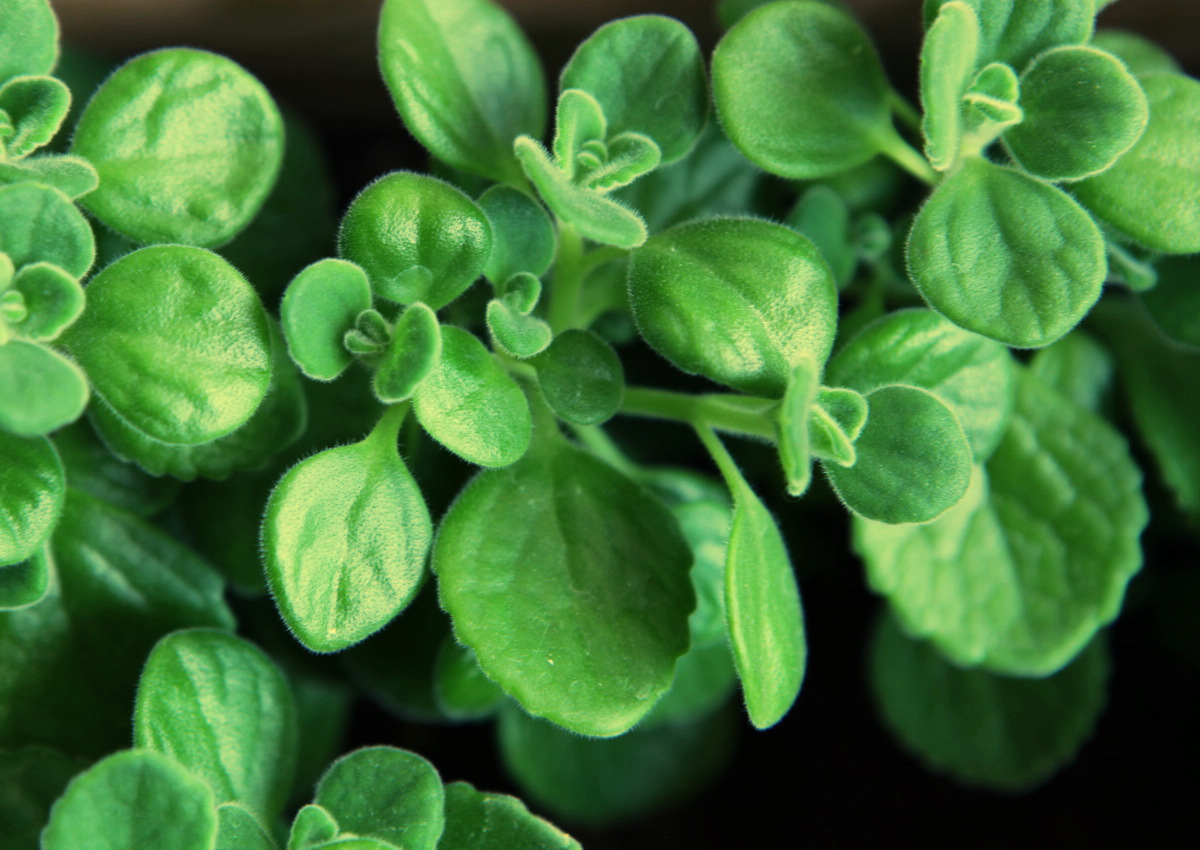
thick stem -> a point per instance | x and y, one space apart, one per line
568 279
744 415
907 157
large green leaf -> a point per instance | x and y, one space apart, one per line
32 488
476 820
237 829
160 179
570 583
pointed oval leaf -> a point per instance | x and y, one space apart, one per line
800 90
523 238
470 405
38 223
411 354
345 537
476 820
1153 192
237 829
321 303
32 488
1007 256
40 390
647 74
1019 575
74 176
202 679
176 342
406 220
581 377
465 79
387 794
160 179
574 596
737 300
1083 110
949 57
36 106
53 298
28 38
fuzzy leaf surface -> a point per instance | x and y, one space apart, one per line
32 489
320 305
40 390
523 238
581 377
38 223
28 38
477 820
949 57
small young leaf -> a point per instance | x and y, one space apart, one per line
237 829
74 176
828 441
574 596
28 38
993 102
321 303
949 58
412 353
1015 31
131 800
218 706
38 223
523 238
470 405
465 79
1140 55
1153 192
737 300
970 374
791 419
26 583
386 794
160 180
405 221
462 690
579 124
800 90
477 820
32 488
1083 110
345 537
1007 256
53 298
37 107
519 335
40 390
176 342
627 157
983 729
647 74
581 377
313 827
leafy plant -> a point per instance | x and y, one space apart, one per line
600 605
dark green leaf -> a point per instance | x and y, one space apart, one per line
36 106
160 179
38 223
1174 302
238 830
321 303
92 468
949 57
569 581
32 488
523 238
463 691
1007 256
176 342
31 779
737 300
25 583
28 38
477 820
1078 367
412 353
824 217
40 390
405 221
581 377
53 298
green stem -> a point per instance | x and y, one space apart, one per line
602 445
905 111
907 157
600 256
568 279
722 457
387 429
747 416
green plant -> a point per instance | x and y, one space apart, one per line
601 606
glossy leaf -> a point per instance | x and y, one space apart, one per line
26 583
1015 31
404 221
141 799
983 729
465 79
321 303
970 374
176 342
523 238
32 489
1083 110
949 58
386 794
800 91
160 179
40 390
218 706
470 405
345 538
238 830
36 106
53 298
737 300
31 779
1007 256
28 38
74 176
462 690
1019 575
412 353
581 377
574 596
312 827
476 820
1153 192
647 74
38 223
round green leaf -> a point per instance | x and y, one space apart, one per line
1019 575
53 298
481 821
176 341
345 538
949 58
913 459
40 390
28 38
737 300
465 79
131 800
405 220
32 488
800 91
581 377
983 729
386 794
970 374
36 106
237 829
161 178
1083 110
320 305
1153 192
517 334
570 583
523 238
647 74
470 405
1007 256
38 223
202 679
